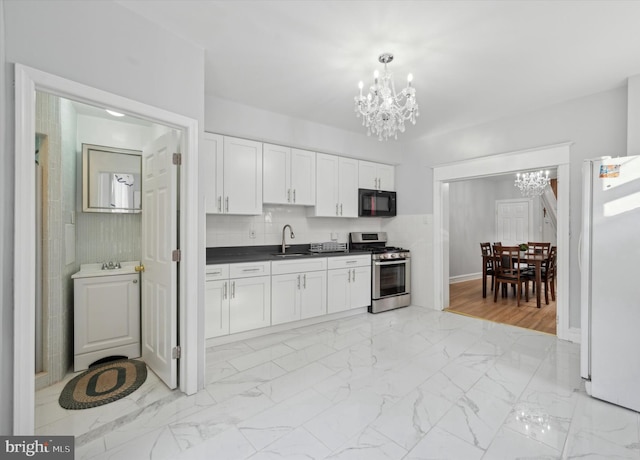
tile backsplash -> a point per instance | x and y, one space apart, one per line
266 229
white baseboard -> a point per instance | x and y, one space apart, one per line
468 277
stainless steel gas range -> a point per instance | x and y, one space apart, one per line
390 271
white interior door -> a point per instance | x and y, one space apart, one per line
160 238
512 221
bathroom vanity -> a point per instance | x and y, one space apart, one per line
106 313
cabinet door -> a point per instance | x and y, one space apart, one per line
367 175
276 186
313 294
250 303
386 177
348 173
285 298
216 308
303 177
106 312
338 290
242 176
360 287
327 185
212 156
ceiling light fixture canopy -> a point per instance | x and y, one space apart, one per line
532 184
383 110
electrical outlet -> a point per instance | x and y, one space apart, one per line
252 233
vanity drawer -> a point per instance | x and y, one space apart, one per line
248 269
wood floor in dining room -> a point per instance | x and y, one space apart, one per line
466 298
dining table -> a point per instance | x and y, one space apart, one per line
529 258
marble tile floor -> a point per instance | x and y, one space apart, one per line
407 384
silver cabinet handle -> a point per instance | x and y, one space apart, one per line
340 208
349 276
225 290
220 203
227 204
294 195
289 196
250 269
304 281
337 210
351 262
298 282
233 289
354 274
375 181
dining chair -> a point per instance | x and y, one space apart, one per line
539 248
507 268
549 274
487 258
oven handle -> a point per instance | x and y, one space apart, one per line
391 262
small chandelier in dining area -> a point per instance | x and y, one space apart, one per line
532 184
383 110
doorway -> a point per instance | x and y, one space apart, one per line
546 158
27 81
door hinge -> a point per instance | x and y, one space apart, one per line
176 255
175 353
177 159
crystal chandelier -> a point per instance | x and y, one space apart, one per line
383 110
532 184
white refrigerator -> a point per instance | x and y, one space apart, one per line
610 280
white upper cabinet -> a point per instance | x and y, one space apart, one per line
289 176
212 163
303 177
234 168
376 176
336 186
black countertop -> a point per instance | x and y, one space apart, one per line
237 254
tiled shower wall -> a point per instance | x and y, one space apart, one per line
56 121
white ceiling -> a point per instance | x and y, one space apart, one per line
472 61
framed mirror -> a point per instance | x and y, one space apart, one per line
111 179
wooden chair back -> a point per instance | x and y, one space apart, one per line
507 268
539 248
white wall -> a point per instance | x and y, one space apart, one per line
233 119
76 40
597 125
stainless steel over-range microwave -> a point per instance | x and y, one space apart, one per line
376 203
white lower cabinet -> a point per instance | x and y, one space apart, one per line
237 298
106 318
245 296
298 289
349 283
249 303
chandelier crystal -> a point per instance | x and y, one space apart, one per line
383 110
532 184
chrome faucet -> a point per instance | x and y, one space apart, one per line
291 235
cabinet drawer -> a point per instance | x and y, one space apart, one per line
216 272
248 269
298 266
349 262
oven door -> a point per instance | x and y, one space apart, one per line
390 278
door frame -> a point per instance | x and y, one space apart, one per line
27 81
530 217
547 157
